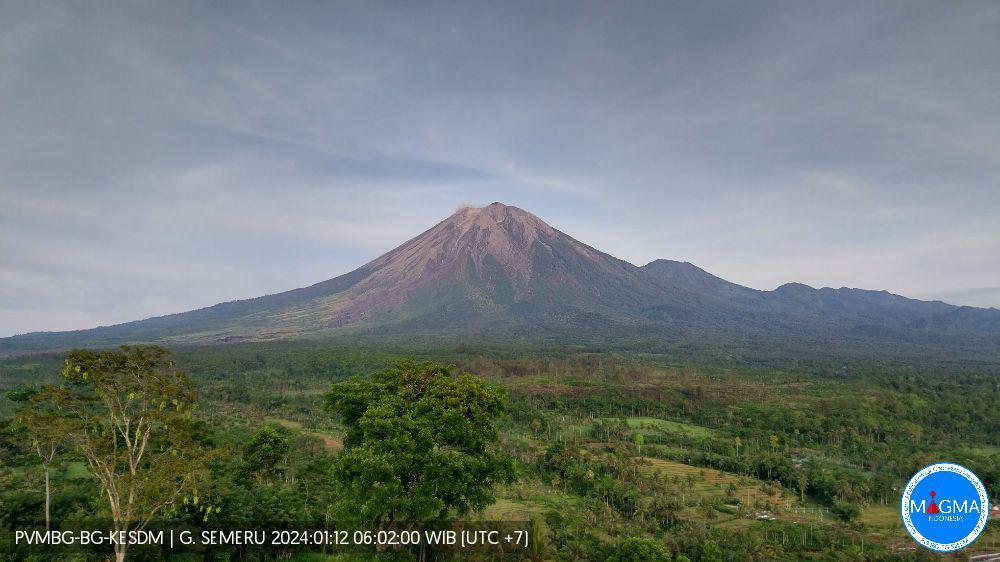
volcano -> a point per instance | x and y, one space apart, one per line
500 272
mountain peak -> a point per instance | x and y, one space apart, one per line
499 267
480 259
505 232
682 273
497 214
795 287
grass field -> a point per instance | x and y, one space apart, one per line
645 424
882 516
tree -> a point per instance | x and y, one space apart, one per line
130 418
6 474
418 445
666 507
45 427
539 538
712 552
738 442
263 455
637 549
845 511
639 440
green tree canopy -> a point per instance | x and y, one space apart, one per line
846 511
264 454
712 552
637 549
419 443
130 412
45 424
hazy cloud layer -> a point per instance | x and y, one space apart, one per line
157 157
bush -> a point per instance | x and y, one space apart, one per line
639 550
846 511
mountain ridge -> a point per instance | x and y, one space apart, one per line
499 271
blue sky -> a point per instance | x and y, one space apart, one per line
162 156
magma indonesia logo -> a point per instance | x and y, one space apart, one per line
945 507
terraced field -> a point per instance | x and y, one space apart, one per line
710 484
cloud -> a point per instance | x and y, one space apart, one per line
156 157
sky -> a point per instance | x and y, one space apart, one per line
157 157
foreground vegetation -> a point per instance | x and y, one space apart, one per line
601 455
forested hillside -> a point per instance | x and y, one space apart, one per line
609 453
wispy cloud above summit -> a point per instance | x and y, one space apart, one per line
157 157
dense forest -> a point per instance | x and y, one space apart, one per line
599 455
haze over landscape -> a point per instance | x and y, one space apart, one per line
163 157
500 274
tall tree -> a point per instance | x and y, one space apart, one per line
131 420
419 444
45 424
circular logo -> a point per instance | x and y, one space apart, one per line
945 507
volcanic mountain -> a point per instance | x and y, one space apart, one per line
499 272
